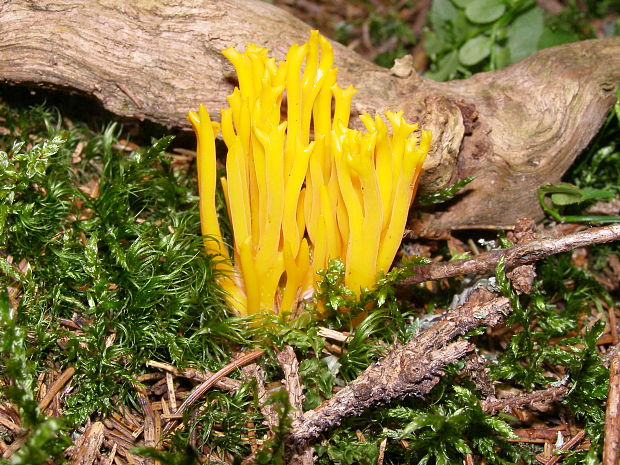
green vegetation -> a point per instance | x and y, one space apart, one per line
41 440
105 239
102 269
470 36
594 178
385 26
125 262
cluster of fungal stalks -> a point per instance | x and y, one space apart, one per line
306 189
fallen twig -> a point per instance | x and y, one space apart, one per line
514 256
268 410
611 448
412 369
224 383
614 351
568 445
290 366
550 394
56 387
151 433
204 387
86 448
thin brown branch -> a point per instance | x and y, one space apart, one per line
613 352
209 383
550 394
568 445
514 256
56 387
287 360
290 366
412 369
15 446
611 448
269 412
613 323
86 448
224 383
151 438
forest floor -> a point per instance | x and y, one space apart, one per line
111 321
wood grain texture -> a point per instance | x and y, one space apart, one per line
412 369
513 129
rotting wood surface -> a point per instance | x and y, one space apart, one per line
513 129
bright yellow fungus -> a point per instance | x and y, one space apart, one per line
306 189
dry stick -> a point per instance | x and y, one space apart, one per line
14 447
568 445
270 415
412 369
536 436
550 394
290 366
57 386
613 323
382 446
611 448
9 424
612 352
224 383
87 446
514 256
267 410
204 387
111 456
172 397
151 438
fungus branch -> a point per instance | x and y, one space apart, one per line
305 190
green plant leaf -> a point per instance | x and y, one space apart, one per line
475 50
446 68
567 194
524 34
442 13
484 11
442 195
434 44
552 37
461 3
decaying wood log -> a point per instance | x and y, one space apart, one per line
514 129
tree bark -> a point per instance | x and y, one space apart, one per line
513 129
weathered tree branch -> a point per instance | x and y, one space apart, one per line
513 129
550 394
611 447
514 256
287 360
409 370
415 368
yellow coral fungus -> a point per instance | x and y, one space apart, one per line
305 190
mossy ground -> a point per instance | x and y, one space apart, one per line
102 271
